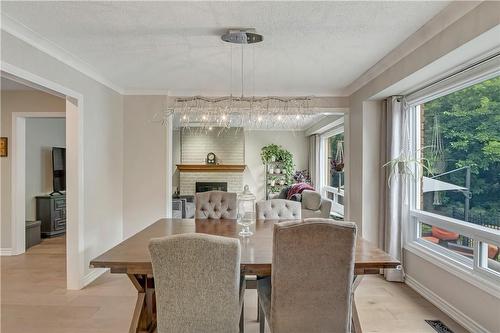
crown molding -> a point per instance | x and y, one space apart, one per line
34 39
430 29
163 92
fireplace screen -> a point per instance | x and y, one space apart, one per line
211 186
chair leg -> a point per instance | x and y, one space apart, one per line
258 308
262 320
242 318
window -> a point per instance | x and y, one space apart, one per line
456 203
333 169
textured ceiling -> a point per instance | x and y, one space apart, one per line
309 48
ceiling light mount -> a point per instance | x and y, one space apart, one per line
242 36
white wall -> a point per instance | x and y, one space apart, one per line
372 166
102 118
294 141
145 163
41 135
18 101
472 303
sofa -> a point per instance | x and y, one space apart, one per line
313 205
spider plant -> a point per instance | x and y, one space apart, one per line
404 166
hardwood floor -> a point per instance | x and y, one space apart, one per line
34 299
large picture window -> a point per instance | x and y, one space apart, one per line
456 208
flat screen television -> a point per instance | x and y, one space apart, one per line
58 170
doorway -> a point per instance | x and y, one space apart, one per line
14 126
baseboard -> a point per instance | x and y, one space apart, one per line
455 314
92 275
5 251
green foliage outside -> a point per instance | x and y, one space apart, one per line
334 175
470 128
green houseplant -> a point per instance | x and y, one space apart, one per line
282 156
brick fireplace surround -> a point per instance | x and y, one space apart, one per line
228 146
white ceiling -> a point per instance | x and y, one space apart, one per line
309 48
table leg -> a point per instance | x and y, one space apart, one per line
144 318
356 324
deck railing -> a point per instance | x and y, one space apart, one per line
337 196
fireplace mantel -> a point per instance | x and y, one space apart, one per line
211 167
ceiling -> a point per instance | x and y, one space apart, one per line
309 48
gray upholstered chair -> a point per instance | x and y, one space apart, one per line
310 289
216 205
188 301
278 209
314 206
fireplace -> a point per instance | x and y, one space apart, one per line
211 186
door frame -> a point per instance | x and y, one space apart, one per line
18 175
75 263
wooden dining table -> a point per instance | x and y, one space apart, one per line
131 257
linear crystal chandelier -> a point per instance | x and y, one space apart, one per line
204 113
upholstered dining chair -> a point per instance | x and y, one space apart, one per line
278 209
186 300
274 209
310 289
216 205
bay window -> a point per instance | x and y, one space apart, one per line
455 194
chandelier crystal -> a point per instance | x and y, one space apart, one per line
202 113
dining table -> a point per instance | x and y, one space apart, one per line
131 257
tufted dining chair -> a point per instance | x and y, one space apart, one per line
216 205
188 301
310 288
278 209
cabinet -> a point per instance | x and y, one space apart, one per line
51 211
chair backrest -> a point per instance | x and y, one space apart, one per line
278 209
216 205
313 270
196 283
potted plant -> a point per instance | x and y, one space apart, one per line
283 157
269 153
404 165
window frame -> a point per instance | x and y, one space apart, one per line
324 186
473 270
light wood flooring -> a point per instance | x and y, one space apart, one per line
34 299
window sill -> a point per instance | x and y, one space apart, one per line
490 286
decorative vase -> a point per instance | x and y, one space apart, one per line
273 182
277 170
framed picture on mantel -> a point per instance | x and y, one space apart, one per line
4 147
